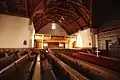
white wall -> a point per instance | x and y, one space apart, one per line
84 38
109 31
32 33
13 31
47 30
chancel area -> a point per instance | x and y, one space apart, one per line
59 40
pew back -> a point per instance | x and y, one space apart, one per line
16 68
100 72
73 73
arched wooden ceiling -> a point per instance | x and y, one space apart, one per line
72 15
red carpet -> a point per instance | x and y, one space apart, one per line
104 62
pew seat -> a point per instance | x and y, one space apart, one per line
12 58
2 54
3 62
90 69
70 71
24 70
8 73
17 70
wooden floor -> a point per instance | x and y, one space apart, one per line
47 70
37 75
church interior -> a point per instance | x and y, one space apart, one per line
59 40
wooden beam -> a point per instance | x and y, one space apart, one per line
26 7
41 22
61 24
69 26
84 11
79 5
53 8
91 13
37 6
42 16
45 23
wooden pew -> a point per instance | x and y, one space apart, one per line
99 72
3 62
12 58
73 74
106 62
8 73
8 58
2 54
17 70
59 71
85 50
25 65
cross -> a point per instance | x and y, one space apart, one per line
97 51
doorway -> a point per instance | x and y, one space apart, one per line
108 43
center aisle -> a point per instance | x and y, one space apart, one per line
47 73
37 75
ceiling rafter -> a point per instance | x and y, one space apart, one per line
84 11
38 6
62 25
41 21
69 26
44 20
80 4
42 26
72 18
68 30
75 13
40 18
69 12
76 27
71 6
26 7
64 10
